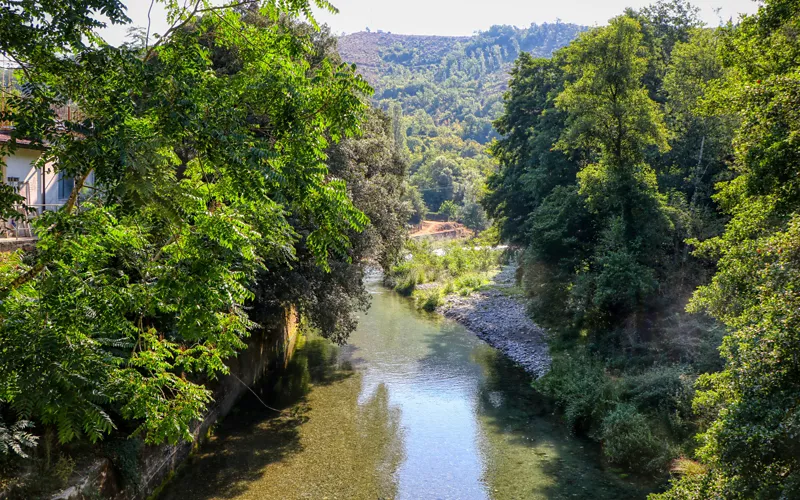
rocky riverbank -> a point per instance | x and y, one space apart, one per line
499 318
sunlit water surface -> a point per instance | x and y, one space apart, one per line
415 407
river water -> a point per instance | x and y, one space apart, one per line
414 407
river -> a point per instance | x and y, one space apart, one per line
414 407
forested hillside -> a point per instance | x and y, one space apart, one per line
446 92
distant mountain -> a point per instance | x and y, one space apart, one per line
453 79
374 53
444 93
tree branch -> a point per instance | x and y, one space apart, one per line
34 271
196 10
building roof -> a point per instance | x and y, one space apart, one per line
5 138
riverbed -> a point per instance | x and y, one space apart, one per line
414 407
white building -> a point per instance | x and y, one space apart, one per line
42 188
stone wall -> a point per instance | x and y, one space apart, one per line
14 244
268 348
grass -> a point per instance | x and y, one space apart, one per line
456 267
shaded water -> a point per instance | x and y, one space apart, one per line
415 407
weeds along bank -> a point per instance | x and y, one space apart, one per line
428 271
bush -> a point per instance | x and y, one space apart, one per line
406 286
665 388
581 388
637 418
64 468
628 440
429 299
469 283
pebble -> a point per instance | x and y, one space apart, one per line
502 322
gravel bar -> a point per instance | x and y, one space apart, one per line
502 322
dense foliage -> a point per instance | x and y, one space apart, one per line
649 162
751 446
230 177
607 167
444 93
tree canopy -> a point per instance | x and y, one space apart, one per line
210 152
651 165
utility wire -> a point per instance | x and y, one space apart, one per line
254 394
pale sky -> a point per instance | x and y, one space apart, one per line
456 17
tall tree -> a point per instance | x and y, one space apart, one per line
751 447
398 129
204 165
613 119
529 167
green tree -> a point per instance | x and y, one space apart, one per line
750 448
449 90
473 217
529 166
665 23
700 139
416 205
203 167
613 119
449 210
398 129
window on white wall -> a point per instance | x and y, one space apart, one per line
65 185
14 182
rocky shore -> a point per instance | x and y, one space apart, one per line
500 320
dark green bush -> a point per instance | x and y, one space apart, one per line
628 440
581 388
641 419
667 388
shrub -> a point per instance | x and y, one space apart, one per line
628 440
581 387
406 286
64 468
429 299
662 387
468 283
456 266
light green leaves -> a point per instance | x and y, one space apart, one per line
207 149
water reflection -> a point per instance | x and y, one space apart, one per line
415 407
527 453
325 444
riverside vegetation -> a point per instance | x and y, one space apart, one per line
429 272
237 168
650 170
